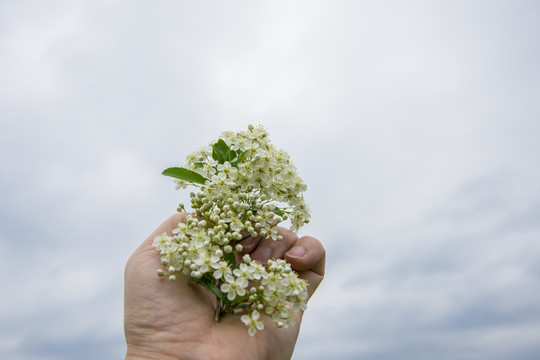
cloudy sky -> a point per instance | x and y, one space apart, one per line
415 125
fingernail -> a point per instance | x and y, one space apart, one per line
297 251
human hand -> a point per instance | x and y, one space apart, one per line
175 320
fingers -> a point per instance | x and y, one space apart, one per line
249 244
166 227
308 258
272 249
145 248
306 254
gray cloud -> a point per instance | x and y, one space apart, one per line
414 125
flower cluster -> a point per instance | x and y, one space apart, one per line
246 188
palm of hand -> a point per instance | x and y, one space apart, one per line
177 319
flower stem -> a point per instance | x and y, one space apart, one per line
218 310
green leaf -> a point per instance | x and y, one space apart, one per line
185 174
278 211
209 284
238 303
238 158
221 151
231 259
241 299
232 156
199 165
242 156
215 290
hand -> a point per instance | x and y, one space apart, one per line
175 320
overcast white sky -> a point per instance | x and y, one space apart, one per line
415 125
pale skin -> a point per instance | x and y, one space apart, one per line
175 320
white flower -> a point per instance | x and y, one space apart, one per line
258 271
205 261
221 182
162 242
209 167
243 271
236 224
221 269
234 287
226 168
252 321
180 184
272 281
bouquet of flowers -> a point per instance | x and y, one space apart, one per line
246 187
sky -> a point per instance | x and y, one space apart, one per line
415 125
